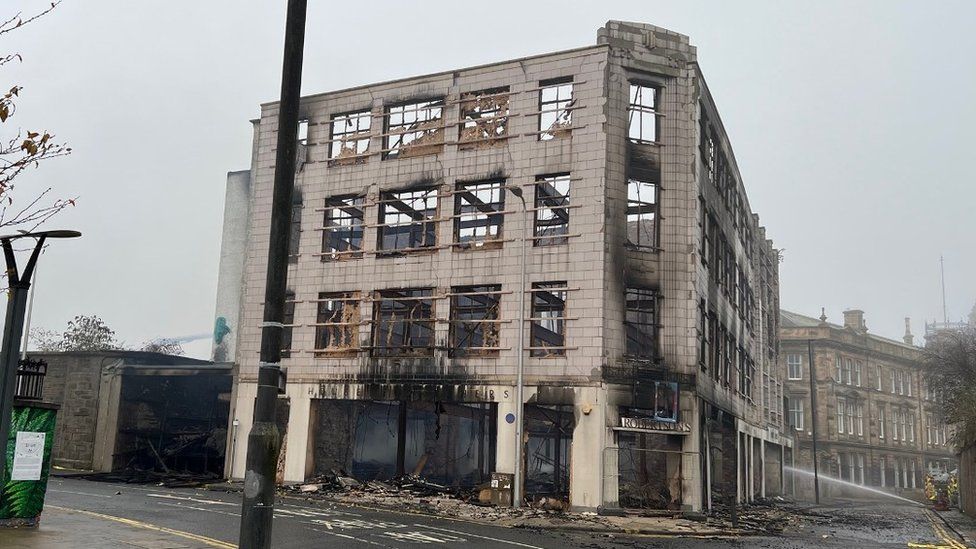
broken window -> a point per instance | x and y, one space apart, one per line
643 127
548 319
403 323
551 209
484 116
349 142
641 214
343 234
555 108
479 213
549 441
474 320
414 129
337 321
288 319
641 323
407 219
295 230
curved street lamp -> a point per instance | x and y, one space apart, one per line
13 327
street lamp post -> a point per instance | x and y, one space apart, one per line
13 328
520 368
263 444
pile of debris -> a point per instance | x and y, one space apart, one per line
765 516
415 493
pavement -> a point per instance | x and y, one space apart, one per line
90 514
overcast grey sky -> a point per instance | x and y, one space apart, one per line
851 123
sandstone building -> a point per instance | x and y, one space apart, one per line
877 424
651 297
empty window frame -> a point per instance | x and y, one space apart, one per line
641 214
303 132
349 141
295 231
555 108
474 320
794 366
407 219
479 212
642 111
337 321
288 319
548 323
403 323
640 323
414 129
342 237
484 116
551 210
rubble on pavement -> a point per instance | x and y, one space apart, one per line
413 493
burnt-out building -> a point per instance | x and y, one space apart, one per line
650 298
123 410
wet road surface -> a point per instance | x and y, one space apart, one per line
199 518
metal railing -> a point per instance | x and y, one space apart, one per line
30 379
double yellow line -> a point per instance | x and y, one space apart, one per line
949 540
145 525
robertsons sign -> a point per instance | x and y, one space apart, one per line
650 425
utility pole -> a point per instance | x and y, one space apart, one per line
813 421
518 479
257 508
13 328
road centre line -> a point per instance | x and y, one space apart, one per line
198 500
460 533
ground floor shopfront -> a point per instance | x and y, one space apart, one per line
601 446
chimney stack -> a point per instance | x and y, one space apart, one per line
854 319
909 338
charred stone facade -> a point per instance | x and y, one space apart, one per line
877 424
650 296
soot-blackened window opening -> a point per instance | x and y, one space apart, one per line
403 323
288 319
350 137
414 128
641 323
555 108
643 114
342 237
337 321
551 210
548 332
484 115
295 231
479 212
474 320
642 214
407 219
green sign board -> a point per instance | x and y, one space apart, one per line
28 459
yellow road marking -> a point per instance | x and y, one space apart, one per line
941 533
139 524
